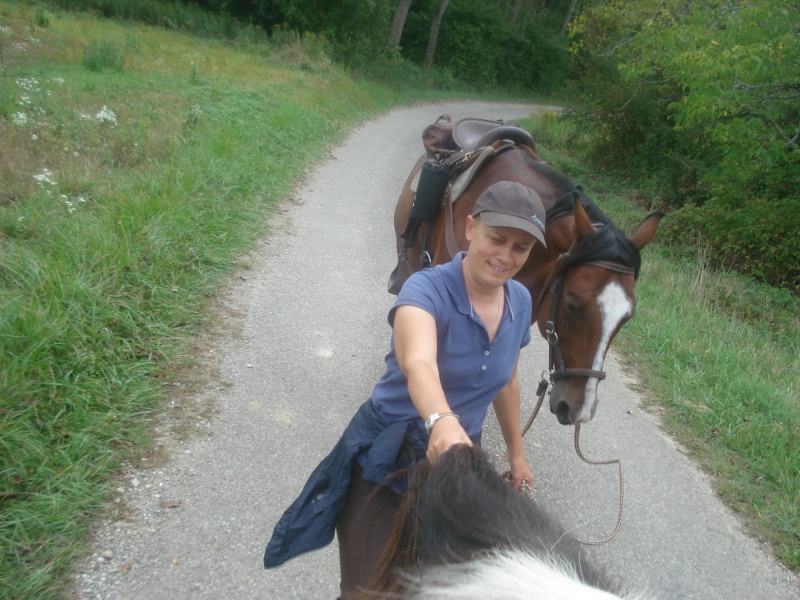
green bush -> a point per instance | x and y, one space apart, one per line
758 237
171 15
98 56
479 45
400 73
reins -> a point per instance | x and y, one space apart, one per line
544 384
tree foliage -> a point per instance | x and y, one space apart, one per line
707 93
361 25
484 43
480 43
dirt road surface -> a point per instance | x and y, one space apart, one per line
299 344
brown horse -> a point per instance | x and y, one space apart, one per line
582 283
463 532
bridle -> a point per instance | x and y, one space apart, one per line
555 285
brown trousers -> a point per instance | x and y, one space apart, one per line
363 530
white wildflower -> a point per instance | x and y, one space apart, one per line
85 117
106 115
24 100
30 84
19 118
17 47
67 202
44 177
20 219
6 30
58 80
34 137
34 41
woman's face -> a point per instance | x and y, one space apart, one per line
496 254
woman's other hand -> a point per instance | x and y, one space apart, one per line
446 432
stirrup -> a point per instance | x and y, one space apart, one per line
426 259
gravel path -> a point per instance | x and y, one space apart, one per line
300 341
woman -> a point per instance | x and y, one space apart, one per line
457 332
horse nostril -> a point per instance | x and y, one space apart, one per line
562 413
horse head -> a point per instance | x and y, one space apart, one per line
588 296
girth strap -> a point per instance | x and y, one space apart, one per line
450 234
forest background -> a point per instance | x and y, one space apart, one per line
128 188
698 101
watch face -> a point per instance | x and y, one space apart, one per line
430 421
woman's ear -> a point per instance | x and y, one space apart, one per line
470 227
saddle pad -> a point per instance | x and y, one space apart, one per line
461 182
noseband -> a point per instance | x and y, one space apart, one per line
558 366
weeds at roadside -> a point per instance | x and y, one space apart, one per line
98 56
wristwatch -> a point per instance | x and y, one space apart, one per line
431 421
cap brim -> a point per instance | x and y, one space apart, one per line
502 220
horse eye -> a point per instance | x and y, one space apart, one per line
571 304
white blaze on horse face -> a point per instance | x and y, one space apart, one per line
615 305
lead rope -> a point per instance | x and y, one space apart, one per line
621 490
540 392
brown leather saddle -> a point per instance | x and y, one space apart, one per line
468 135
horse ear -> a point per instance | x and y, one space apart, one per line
646 230
583 224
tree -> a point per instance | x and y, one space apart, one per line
516 9
400 14
435 25
568 16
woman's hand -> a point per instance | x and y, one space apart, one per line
446 432
520 471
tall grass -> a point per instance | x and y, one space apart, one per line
126 197
731 388
718 352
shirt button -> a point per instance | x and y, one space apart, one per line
486 353
483 368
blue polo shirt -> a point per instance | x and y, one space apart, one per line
471 369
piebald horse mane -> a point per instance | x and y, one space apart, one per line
463 533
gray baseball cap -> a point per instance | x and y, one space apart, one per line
511 204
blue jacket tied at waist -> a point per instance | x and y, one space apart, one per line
310 522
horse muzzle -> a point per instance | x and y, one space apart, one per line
571 403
